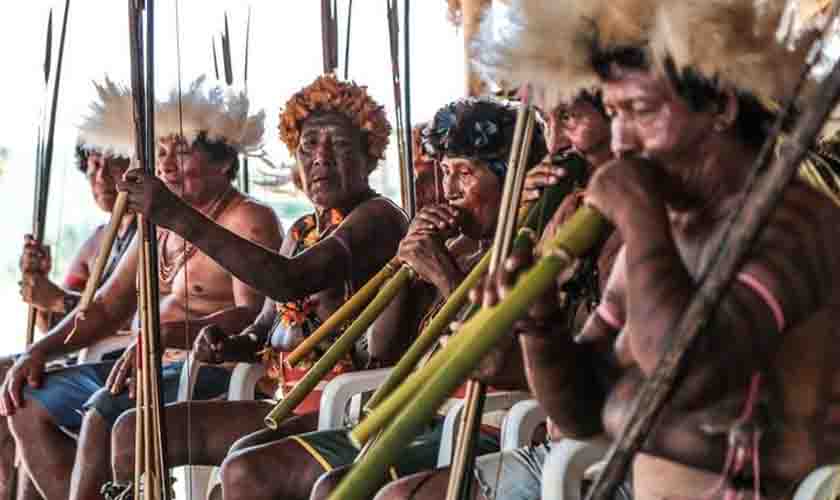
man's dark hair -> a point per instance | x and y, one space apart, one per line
219 152
81 158
754 120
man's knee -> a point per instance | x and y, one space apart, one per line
29 420
122 444
327 483
237 471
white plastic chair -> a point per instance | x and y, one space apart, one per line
95 352
242 387
520 423
822 484
498 401
564 469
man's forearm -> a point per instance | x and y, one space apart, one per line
561 376
96 326
658 289
182 334
253 264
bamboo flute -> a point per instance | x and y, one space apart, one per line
344 313
756 208
426 390
339 349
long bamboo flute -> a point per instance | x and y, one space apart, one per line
588 225
344 313
543 209
429 390
339 349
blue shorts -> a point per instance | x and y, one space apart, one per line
69 392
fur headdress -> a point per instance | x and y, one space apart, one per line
327 93
221 116
107 128
752 45
550 43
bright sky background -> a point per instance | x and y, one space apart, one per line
285 55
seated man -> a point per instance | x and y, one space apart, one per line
443 243
338 135
755 408
583 125
54 301
199 166
103 166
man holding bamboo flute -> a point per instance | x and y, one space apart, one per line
197 159
583 124
685 83
471 140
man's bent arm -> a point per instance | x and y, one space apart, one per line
113 305
372 229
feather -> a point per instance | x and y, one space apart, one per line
222 115
107 129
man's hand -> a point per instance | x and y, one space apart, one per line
28 369
424 249
626 190
124 372
493 288
37 290
540 177
213 346
35 258
149 196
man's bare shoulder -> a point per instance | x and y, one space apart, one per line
254 220
380 210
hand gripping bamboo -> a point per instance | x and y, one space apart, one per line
415 402
344 313
339 349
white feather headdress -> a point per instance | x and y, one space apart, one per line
107 129
222 116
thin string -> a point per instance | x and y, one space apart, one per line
179 162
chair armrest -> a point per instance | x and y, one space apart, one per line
521 422
243 381
564 469
189 375
819 484
339 390
496 401
94 353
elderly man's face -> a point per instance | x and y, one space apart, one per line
102 172
650 120
475 190
332 161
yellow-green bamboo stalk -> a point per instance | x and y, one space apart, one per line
481 334
339 349
344 313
